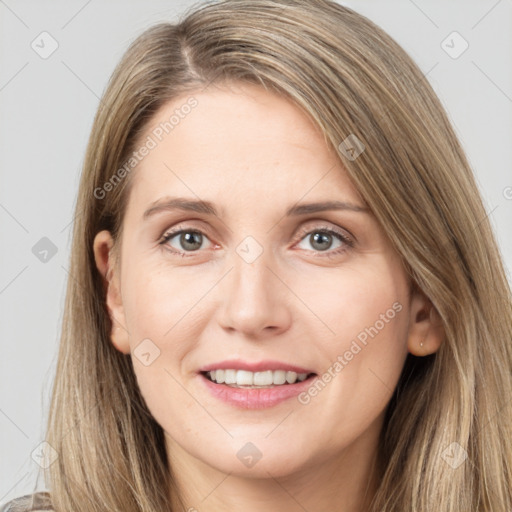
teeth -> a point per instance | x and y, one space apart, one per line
237 378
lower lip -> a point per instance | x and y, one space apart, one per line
254 398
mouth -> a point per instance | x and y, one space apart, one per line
263 389
266 379
255 384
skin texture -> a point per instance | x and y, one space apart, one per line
254 154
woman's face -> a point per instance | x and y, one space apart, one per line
265 280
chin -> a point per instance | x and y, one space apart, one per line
248 461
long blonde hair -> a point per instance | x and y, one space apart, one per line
351 78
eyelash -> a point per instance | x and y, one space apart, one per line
348 242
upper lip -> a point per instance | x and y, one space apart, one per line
259 366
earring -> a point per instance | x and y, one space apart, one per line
421 343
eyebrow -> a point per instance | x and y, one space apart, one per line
206 207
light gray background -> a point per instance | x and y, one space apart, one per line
47 108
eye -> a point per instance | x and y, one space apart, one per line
188 240
184 240
322 239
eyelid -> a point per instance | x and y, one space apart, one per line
328 226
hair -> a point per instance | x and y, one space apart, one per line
350 78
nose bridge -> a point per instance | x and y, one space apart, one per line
251 278
253 296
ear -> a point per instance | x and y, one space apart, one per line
107 267
426 331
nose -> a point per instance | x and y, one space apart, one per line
255 301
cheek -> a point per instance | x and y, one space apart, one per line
377 322
160 315
352 301
158 302
363 337
164 307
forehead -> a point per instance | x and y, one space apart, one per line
234 142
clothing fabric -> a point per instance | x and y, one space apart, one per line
37 502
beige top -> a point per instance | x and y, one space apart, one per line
37 502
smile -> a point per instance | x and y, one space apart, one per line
255 396
262 379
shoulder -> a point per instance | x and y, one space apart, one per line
37 502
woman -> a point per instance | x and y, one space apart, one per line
337 335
